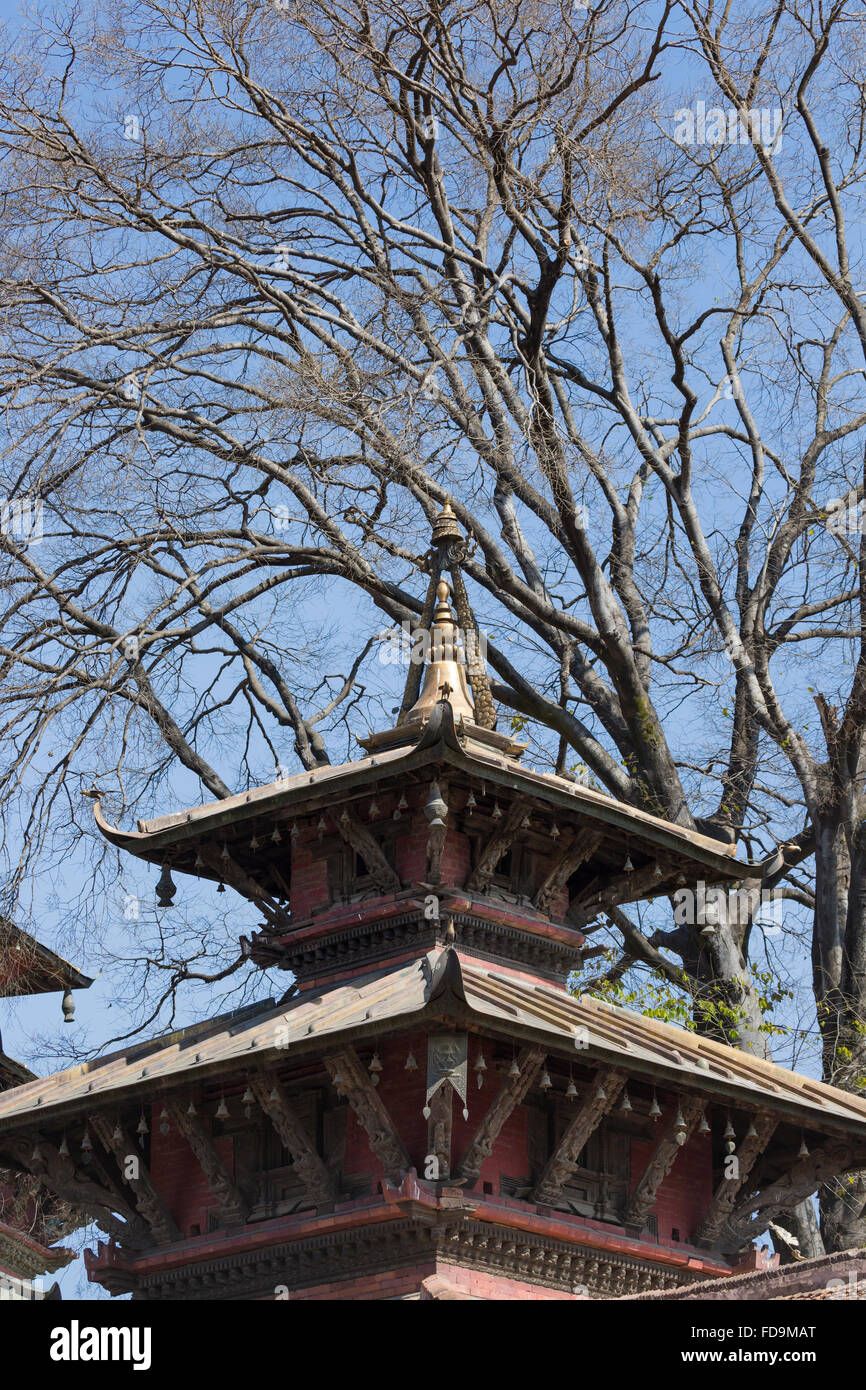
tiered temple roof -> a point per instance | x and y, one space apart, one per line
431 900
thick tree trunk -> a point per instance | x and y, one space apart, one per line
736 1017
839 948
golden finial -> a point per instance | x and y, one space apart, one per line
445 665
446 526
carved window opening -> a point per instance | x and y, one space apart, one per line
347 873
506 878
263 1167
600 1184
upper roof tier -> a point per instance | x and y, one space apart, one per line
440 799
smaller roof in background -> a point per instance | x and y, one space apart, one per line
28 967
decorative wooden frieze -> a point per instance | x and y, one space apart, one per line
748 1153
498 845
758 1206
353 1082
364 843
366 943
115 1139
72 1184
306 1162
674 1137
602 1096
509 1096
231 1203
567 859
476 1245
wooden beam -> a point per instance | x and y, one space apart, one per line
510 1094
728 1189
147 1199
233 873
439 1130
499 842
231 1203
364 843
306 1163
622 889
661 1162
587 1118
753 1211
72 1184
353 1082
571 854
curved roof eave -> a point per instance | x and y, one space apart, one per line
156 836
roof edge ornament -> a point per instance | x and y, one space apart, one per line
447 981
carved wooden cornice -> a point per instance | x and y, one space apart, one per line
306 1162
364 843
147 1200
476 1245
587 1118
509 1096
498 844
574 852
747 1155
661 1162
353 1083
366 943
232 1205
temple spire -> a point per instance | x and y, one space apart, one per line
445 667
454 662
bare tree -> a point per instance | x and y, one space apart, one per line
280 279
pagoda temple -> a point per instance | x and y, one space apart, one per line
30 1220
428 1113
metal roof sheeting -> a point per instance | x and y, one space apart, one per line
373 1004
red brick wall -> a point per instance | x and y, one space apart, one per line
178 1176
368 1287
401 1283
495 1286
309 880
403 1093
687 1190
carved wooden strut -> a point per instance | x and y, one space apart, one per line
306 1163
569 857
353 1082
498 844
231 1203
364 843
728 1189
758 1206
587 1118
148 1201
510 1094
105 1205
661 1162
